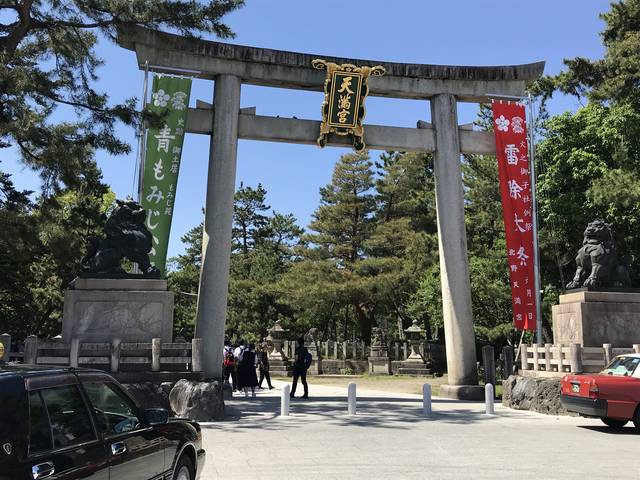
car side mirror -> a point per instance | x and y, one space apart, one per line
156 416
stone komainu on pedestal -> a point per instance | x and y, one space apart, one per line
598 263
590 317
107 303
126 236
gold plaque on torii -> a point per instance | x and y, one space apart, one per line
345 90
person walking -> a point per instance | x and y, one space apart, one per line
237 355
247 378
239 351
263 365
301 363
229 365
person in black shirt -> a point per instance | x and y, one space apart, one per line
263 364
247 378
300 366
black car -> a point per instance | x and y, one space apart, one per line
64 423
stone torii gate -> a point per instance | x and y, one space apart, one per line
229 66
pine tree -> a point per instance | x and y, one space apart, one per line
342 224
250 225
404 240
48 61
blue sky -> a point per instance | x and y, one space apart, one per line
454 32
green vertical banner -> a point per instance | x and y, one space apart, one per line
170 96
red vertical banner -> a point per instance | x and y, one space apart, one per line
512 151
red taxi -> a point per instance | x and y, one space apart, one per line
612 395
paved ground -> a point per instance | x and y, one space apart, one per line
389 438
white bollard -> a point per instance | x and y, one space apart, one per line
426 399
488 399
284 400
352 398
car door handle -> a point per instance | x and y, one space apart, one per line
118 448
42 470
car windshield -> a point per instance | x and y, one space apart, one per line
622 366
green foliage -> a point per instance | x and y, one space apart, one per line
41 244
183 278
590 171
48 66
48 60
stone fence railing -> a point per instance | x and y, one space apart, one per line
115 357
333 350
555 360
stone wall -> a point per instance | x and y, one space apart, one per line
536 394
336 367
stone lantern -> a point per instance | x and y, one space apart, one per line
415 363
278 361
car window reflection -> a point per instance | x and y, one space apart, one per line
114 412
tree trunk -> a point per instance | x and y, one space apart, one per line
364 322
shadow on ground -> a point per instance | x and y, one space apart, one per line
628 430
391 413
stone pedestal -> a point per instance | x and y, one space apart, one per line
130 309
595 318
462 392
379 363
316 360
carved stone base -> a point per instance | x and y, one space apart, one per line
131 309
593 318
462 392
413 366
379 366
280 368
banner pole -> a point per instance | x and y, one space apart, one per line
142 145
534 201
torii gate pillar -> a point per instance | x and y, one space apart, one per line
454 263
218 219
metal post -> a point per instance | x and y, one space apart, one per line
488 399
142 132
426 399
534 204
284 400
351 398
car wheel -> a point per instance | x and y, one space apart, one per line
184 469
615 424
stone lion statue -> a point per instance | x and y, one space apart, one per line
126 236
312 336
377 337
598 261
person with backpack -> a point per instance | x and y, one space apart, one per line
229 365
301 363
247 378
